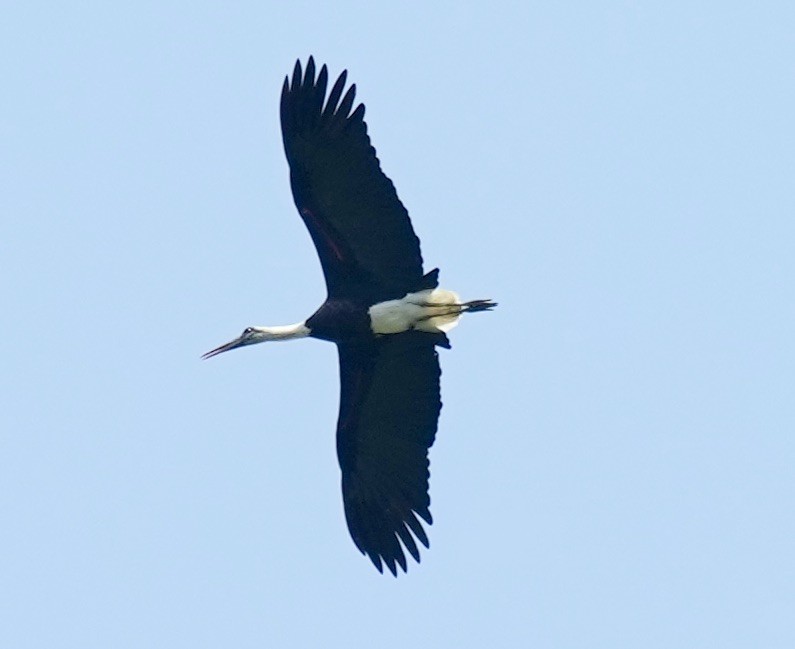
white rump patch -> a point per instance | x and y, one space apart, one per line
432 311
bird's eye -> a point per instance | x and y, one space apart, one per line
248 330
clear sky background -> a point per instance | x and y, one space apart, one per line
614 463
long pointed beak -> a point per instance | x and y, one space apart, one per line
233 344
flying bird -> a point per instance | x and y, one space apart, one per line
384 314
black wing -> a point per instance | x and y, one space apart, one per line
389 409
360 228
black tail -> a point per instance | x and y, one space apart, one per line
478 305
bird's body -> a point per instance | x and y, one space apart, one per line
384 314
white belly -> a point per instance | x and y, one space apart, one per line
431 311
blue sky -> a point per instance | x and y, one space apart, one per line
614 460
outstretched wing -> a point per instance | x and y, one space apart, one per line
389 409
360 228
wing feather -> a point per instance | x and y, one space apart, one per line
362 232
389 410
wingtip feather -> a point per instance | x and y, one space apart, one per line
296 75
309 75
335 94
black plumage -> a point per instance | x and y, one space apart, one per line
360 228
390 402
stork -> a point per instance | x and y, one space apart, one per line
384 314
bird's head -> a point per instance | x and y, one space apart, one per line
254 335
250 336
